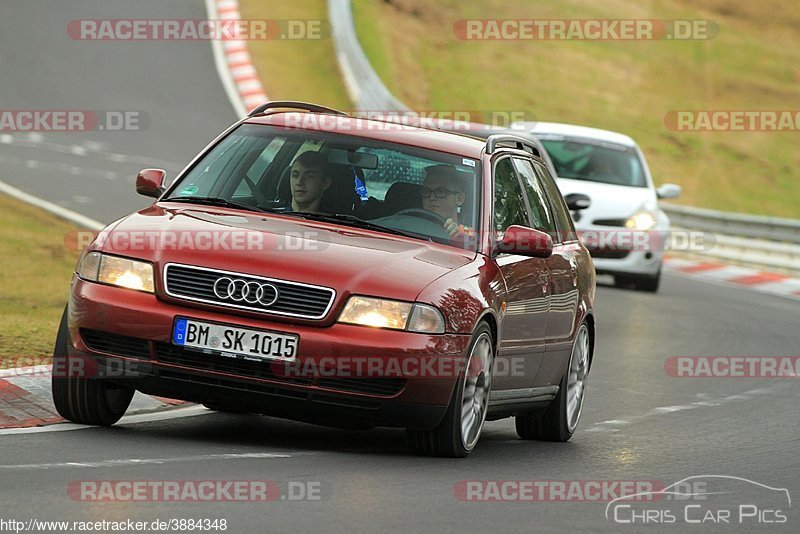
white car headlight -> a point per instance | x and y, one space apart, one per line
642 220
117 271
380 313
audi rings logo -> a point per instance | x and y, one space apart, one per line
239 290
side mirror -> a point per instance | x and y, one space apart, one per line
526 242
577 201
149 182
668 191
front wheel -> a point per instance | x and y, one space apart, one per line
459 431
648 284
89 401
560 420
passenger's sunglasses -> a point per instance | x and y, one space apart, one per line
439 192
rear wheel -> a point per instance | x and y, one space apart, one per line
560 420
459 431
89 401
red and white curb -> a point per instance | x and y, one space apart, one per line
233 61
737 276
26 401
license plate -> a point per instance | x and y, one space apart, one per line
233 341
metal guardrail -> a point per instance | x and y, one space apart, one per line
778 245
363 84
769 255
734 224
752 240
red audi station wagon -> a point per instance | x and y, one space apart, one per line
325 268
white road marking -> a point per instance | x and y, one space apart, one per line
176 413
126 462
614 425
221 64
64 213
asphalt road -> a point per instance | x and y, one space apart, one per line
638 424
173 86
664 429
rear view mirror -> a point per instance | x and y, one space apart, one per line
577 201
150 182
526 242
363 160
668 191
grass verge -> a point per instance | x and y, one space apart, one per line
624 86
34 281
303 70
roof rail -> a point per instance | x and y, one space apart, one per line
519 143
290 104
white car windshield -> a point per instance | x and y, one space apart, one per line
583 159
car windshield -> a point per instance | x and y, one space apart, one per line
582 159
342 179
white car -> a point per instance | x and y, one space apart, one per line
610 168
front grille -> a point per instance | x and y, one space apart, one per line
379 386
255 387
130 347
609 254
173 354
267 389
611 222
293 299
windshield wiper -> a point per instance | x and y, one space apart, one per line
215 201
352 220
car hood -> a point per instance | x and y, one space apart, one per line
609 201
349 260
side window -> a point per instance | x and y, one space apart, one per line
560 211
205 181
541 213
509 202
259 167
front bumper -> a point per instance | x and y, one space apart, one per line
617 250
343 374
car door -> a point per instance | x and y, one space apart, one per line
564 268
524 324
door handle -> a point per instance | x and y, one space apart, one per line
544 279
574 270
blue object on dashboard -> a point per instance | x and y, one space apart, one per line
361 188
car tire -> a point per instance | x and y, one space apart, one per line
224 408
648 284
88 401
454 438
559 421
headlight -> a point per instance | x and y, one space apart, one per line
642 220
392 314
117 271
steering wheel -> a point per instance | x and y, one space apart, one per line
428 215
261 198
